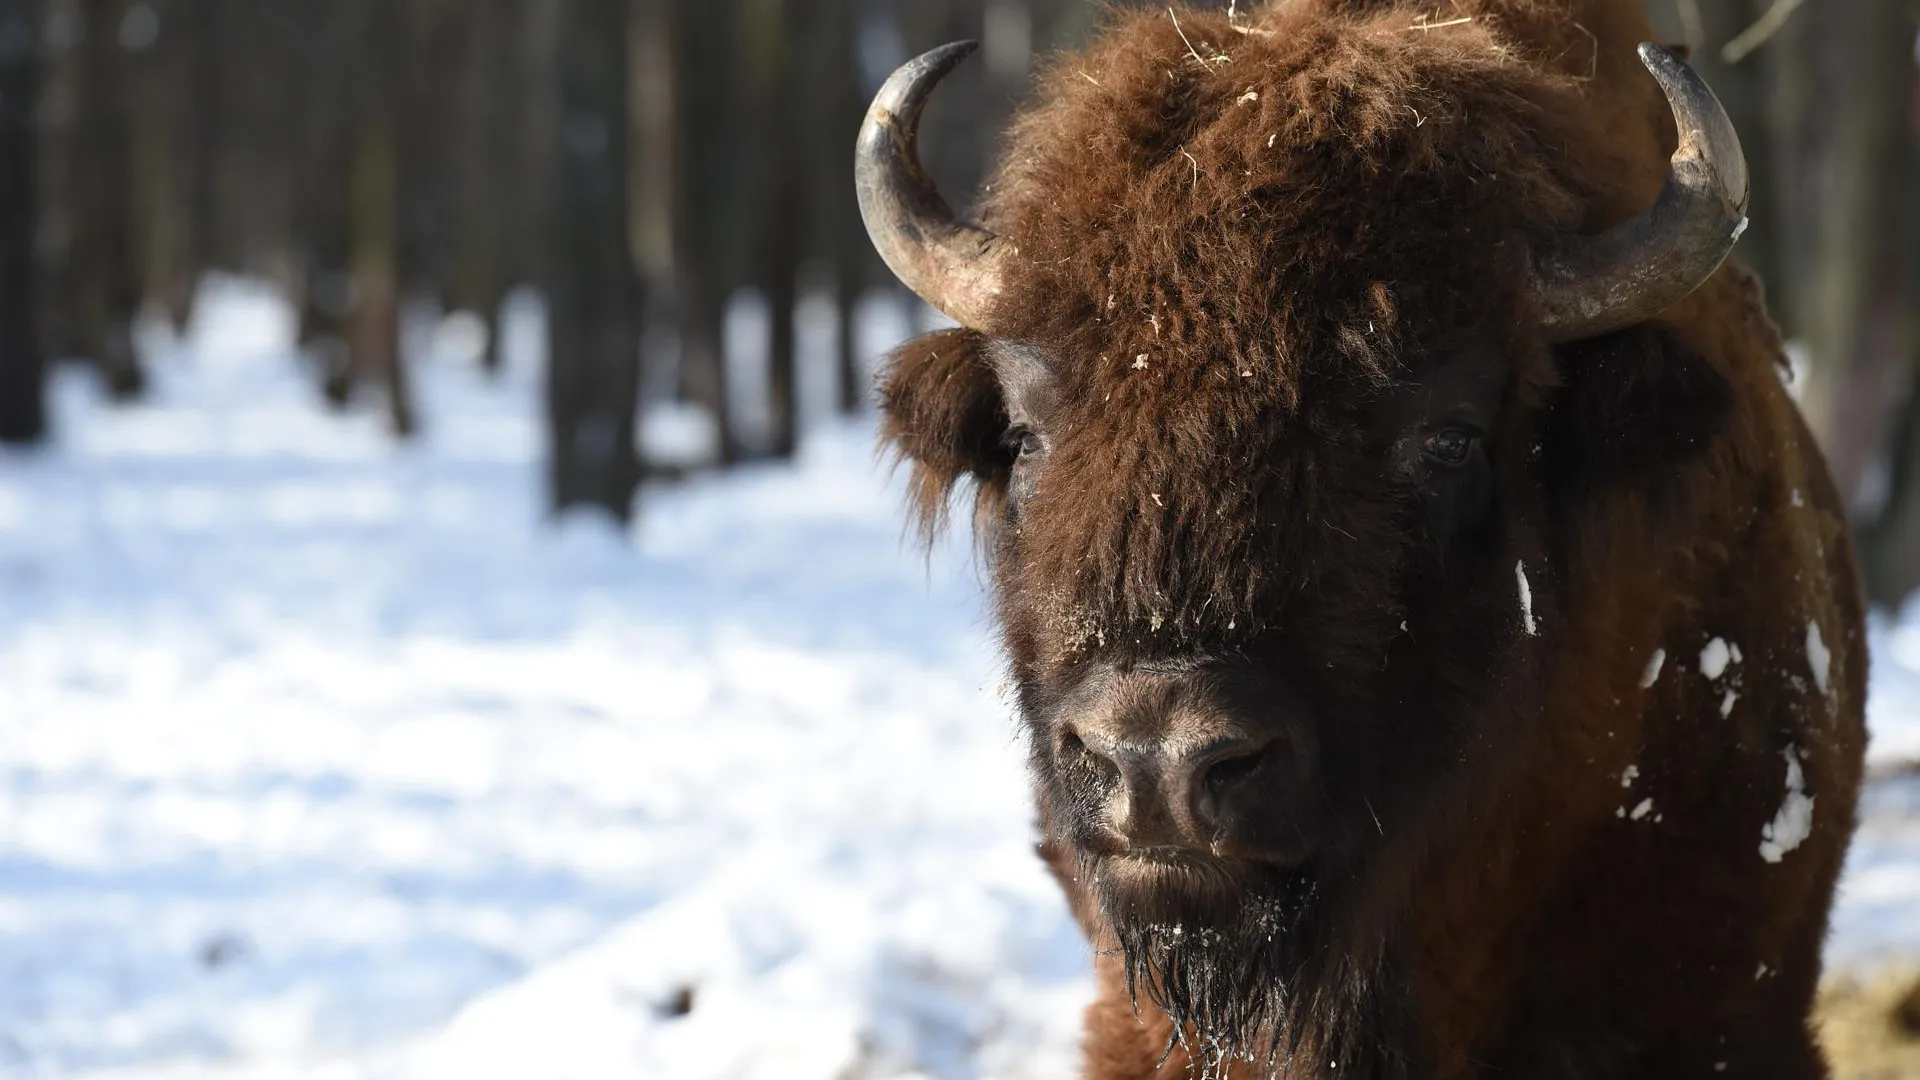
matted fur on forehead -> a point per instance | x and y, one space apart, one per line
1229 237
1227 187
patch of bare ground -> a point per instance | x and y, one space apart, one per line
1870 1025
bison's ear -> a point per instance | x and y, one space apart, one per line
942 412
1632 407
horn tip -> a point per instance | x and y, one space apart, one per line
1721 142
947 262
1662 63
905 91
938 62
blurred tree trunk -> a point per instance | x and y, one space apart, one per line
705 197
474 273
167 127
323 186
652 123
373 209
57 143
203 150
531 165
22 364
426 122
108 258
1841 147
592 286
1891 545
226 99
779 209
651 135
843 238
373 335
262 155
504 193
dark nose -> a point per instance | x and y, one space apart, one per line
1164 794
1173 762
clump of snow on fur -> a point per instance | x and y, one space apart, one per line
1726 703
1526 599
1794 822
1654 663
1627 778
1715 658
1642 810
1819 658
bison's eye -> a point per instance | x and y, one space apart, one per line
1022 441
1450 447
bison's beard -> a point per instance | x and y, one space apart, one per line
1247 966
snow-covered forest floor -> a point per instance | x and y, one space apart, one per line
322 757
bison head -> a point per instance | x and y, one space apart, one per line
1287 356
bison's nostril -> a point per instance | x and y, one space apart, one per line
1229 773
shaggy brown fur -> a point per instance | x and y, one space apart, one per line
1259 263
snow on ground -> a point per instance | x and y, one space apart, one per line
1877 918
308 741
322 758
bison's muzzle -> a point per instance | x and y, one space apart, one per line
1199 762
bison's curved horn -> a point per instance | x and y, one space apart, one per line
952 265
1589 285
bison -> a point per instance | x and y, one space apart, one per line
1436 632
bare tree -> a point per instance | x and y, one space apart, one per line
22 364
592 286
1841 153
475 275
165 37
769 33
321 195
350 211
428 38
835 100
705 200
1891 544
108 281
